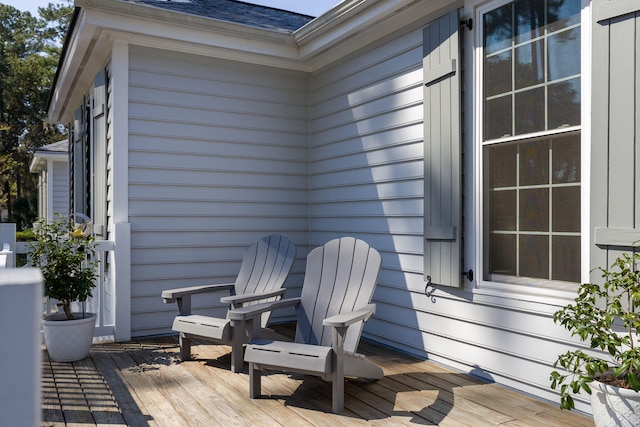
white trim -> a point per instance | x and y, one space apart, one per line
533 293
470 183
48 188
120 193
122 281
585 148
69 91
120 131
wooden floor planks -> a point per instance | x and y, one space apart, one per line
143 383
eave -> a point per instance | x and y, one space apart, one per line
40 158
341 31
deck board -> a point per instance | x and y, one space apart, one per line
143 383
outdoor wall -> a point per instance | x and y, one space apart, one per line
217 159
60 187
366 163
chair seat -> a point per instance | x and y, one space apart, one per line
205 326
304 358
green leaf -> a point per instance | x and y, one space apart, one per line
633 381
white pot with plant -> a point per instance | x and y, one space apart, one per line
65 253
607 317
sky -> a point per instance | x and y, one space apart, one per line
307 7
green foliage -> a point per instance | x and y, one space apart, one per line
24 211
27 235
67 263
29 52
606 317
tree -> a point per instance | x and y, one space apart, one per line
29 52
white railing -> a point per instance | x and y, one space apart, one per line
103 300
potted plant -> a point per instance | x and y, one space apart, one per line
65 253
607 317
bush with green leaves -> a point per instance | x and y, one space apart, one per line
607 317
27 235
67 261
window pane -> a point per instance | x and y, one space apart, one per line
534 256
498 29
530 111
564 104
534 209
502 165
502 259
566 209
497 74
497 118
561 14
564 54
502 210
534 163
566 258
530 19
566 159
531 84
529 67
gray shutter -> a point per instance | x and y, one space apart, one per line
99 153
615 127
442 151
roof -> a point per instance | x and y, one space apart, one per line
54 151
55 147
238 12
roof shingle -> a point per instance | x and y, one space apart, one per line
235 11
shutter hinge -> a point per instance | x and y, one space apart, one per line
468 275
467 23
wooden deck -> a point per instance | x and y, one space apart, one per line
142 383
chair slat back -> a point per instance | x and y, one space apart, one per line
340 276
265 265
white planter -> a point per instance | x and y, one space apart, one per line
68 340
614 406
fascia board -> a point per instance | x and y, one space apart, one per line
98 27
39 160
343 31
343 19
71 67
239 43
36 165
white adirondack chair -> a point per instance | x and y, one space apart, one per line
335 301
265 266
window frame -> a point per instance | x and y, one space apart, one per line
474 47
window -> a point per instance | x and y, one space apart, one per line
531 93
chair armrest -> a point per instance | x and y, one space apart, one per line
253 311
241 299
343 320
170 295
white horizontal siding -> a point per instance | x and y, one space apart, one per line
366 180
366 144
60 187
217 159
